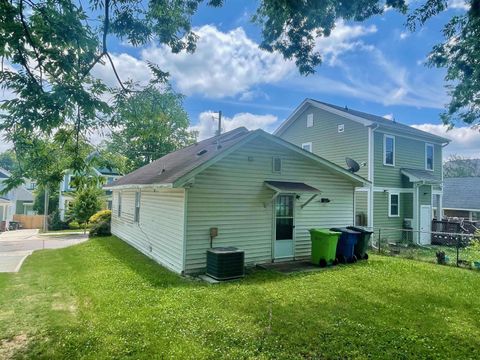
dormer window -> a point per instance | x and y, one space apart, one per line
429 157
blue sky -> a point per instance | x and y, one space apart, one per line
375 66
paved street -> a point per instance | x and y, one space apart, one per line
15 246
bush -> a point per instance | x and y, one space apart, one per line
101 216
101 228
55 223
74 225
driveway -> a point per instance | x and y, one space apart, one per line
16 245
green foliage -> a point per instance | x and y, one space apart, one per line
102 228
154 124
365 311
102 215
54 222
458 166
8 160
74 225
87 201
39 201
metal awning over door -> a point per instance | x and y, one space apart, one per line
290 187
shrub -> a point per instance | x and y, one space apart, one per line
101 216
55 223
101 228
74 225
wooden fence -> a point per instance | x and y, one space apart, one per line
30 221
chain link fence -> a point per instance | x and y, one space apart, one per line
445 248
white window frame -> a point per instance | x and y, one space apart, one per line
427 145
309 120
136 215
273 165
310 147
340 128
390 204
119 205
385 137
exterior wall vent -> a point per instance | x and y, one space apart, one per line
201 152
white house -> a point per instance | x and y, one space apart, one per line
260 192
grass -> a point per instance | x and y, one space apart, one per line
103 299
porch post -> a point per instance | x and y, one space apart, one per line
416 214
440 207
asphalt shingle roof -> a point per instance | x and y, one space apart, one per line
173 166
420 175
461 193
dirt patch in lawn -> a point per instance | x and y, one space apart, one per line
8 347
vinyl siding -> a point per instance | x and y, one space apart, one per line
409 153
160 233
326 141
230 195
361 206
386 224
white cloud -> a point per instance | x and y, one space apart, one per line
343 38
465 140
459 4
388 116
224 64
208 123
404 35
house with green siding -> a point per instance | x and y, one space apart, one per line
402 164
260 192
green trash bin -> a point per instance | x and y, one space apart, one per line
361 246
324 246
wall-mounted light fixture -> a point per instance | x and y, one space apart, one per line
325 200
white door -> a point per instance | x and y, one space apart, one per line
425 224
284 227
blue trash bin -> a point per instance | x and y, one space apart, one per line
346 244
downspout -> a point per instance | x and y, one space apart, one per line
371 170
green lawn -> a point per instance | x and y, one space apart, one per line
103 299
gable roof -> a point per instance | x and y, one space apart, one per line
358 116
461 193
176 168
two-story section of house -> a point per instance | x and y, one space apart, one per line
403 164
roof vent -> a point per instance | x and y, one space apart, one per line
201 152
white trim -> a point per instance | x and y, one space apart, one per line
457 209
426 157
390 204
385 137
362 189
309 144
138 186
393 190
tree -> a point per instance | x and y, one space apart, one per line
154 124
458 166
39 202
87 201
8 160
459 54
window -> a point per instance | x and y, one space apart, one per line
277 165
394 205
309 120
307 146
341 128
429 157
137 207
389 150
119 213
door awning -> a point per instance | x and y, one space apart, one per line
291 187
420 176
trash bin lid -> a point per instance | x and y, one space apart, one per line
345 230
360 229
325 231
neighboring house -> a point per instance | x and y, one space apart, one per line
403 164
67 190
461 198
16 201
261 192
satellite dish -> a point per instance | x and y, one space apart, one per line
352 165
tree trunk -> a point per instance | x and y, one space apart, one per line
45 211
